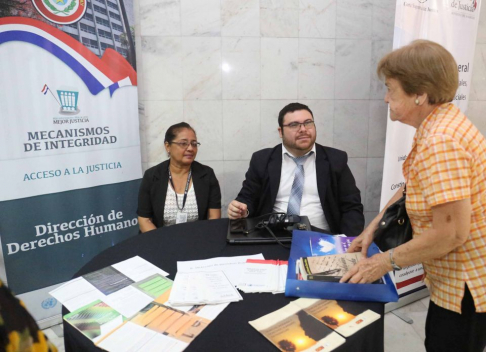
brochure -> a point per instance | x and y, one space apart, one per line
95 320
308 324
344 317
130 309
292 329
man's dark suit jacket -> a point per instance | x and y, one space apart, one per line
153 190
340 198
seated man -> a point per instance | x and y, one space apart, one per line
301 177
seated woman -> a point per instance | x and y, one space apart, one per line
179 189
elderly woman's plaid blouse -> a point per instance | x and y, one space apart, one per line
448 163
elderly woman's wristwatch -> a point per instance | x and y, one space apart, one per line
392 262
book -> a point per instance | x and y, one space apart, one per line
330 268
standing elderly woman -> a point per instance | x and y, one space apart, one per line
179 189
445 174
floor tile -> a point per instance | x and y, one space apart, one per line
400 336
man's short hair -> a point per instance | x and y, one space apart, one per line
291 108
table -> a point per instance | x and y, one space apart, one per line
230 331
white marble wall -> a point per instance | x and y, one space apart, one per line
228 66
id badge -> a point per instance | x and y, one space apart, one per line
181 218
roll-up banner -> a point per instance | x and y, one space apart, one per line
453 24
69 142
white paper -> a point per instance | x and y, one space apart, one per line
210 312
164 343
108 327
128 301
231 266
129 337
266 276
202 288
137 268
282 279
258 277
76 293
181 308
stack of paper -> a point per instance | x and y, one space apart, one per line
231 266
202 288
263 276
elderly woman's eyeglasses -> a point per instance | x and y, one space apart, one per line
185 144
295 126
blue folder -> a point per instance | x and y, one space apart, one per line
307 244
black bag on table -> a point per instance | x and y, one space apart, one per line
394 227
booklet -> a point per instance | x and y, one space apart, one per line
344 317
291 328
95 320
308 324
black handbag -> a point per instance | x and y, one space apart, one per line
394 227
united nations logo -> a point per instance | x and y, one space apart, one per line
61 11
49 303
422 1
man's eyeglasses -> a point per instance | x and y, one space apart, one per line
185 145
295 126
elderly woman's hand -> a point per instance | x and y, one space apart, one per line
368 270
362 242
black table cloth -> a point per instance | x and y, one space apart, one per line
230 331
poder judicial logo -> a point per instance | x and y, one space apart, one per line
61 11
67 99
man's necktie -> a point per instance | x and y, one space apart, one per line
297 186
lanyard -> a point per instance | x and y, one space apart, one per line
185 191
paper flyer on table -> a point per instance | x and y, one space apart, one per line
76 293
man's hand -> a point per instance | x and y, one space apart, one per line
368 270
362 242
237 210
